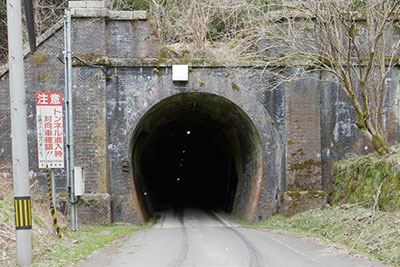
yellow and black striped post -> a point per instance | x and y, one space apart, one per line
23 215
53 212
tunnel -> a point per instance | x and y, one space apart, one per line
195 150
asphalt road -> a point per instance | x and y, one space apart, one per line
194 237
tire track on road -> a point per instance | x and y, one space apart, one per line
185 242
255 257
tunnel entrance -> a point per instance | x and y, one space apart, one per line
195 150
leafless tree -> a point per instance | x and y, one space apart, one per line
46 12
3 31
350 39
353 41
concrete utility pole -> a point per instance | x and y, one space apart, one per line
22 201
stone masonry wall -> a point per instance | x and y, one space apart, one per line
303 135
304 126
133 91
340 137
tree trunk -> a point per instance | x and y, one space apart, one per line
379 144
372 134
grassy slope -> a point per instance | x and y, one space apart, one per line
368 180
78 245
365 216
49 250
375 234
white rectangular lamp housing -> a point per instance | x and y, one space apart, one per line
180 73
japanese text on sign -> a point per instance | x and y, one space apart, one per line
50 132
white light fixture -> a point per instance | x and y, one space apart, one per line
180 73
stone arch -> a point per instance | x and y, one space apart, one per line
243 134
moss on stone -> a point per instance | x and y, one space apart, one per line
298 201
358 180
310 194
42 77
91 59
235 87
161 61
158 72
317 193
305 165
39 59
299 152
291 142
197 62
294 194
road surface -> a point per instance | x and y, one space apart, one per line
194 237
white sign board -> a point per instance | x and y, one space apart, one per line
180 73
50 130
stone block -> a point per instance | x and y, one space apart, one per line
132 40
94 4
86 4
77 4
140 14
89 12
95 209
121 15
298 201
102 12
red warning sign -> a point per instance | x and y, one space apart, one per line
50 130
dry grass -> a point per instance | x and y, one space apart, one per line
7 228
48 249
42 224
362 230
358 181
46 12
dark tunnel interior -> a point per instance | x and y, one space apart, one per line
190 151
193 168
